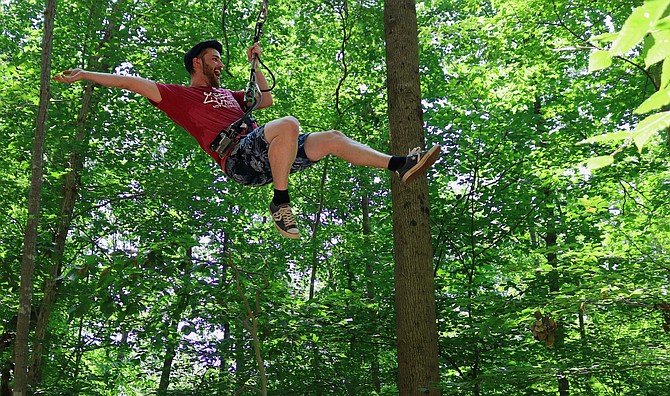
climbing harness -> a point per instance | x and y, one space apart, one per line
253 96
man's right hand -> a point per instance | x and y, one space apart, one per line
70 76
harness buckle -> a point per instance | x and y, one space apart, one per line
228 139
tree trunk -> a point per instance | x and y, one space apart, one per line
250 323
70 192
183 295
30 237
315 231
6 342
164 382
316 358
418 370
551 245
241 369
563 385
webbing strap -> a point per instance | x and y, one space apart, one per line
253 96
228 138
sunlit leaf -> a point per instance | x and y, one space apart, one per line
599 60
662 24
660 49
665 73
637 25
599 162
649 126
655 101
609 137
605 37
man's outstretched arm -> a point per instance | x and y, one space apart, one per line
142 86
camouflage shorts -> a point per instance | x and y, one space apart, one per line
248 163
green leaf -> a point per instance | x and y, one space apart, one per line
599 60
637 25
665 74
660 48
609 137
107 307
662 24
649 126
605 37
599 162
654 102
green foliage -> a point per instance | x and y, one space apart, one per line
649 23
156 227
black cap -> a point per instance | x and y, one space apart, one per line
197 49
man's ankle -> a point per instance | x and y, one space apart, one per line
281 197
396 162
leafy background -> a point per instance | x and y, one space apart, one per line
525 217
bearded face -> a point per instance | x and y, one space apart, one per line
211 75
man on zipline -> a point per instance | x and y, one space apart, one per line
267 153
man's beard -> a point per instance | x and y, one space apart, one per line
211 77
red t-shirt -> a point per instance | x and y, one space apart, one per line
201 111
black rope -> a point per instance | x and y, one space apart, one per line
252 87
260 20
253 95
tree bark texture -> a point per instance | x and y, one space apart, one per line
30 238
183 294
70 192
418 370
71 185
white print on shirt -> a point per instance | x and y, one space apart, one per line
221 100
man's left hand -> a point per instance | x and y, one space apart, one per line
254 50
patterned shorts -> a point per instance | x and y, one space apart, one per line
248 163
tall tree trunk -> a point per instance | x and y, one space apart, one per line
30 238
70 190
164 382
71 185
563 385
418 370
6 342
5 376
224 346
80 349
250 323
316 356
183 297
315 232
551 245
241 370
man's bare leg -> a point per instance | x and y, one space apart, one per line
282 137
319 145
408 167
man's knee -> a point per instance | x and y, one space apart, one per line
321 144
336 138
289 125
283 128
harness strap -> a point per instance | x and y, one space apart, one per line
227 139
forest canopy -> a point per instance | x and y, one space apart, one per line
549 206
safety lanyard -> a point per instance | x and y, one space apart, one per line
253 96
